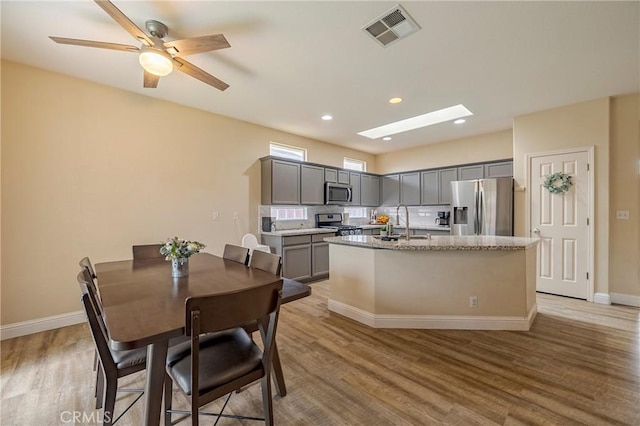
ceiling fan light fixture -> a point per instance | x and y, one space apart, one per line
156 61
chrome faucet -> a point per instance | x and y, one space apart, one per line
406 215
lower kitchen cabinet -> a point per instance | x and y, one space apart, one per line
304 257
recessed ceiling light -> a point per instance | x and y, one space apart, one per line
386 138
460 121
428 119
327 117
395 100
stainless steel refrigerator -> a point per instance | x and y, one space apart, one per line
482 207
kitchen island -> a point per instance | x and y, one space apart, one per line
434 282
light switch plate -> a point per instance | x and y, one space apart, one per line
622 214
216 216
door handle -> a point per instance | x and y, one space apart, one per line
536 231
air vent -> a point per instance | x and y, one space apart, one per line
392 26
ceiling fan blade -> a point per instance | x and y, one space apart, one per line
150 80
124 22
190 46
90 43
195 72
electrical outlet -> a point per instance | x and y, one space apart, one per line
216 216
236 216
473 301
622 214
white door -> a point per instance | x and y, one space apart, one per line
561 223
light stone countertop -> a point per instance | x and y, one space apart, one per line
426 227
438 242
301 231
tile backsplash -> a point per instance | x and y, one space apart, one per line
418 215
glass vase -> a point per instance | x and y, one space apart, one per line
180 267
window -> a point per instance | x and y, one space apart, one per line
287 151
351 164
356 212
289 213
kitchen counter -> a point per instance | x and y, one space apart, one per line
301 231
446 282
438 242
422 227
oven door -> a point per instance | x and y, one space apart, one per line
337 193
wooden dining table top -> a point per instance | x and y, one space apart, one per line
144 304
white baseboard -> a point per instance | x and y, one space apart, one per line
602 298
446 322
23 328
625 299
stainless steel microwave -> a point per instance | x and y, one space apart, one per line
337 193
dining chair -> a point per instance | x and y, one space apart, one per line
226 359
85 263
236 253
113 364
266 261
147 252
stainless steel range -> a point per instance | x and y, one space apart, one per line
334 221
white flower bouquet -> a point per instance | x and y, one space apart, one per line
176 248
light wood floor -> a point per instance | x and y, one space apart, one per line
579 364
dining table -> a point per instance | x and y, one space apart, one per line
144 306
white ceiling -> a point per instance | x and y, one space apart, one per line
291 62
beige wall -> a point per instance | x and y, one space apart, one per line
485 147
624 235
580 125
89 170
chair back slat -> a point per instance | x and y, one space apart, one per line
268 262
223 311
97 328
236 253
147 252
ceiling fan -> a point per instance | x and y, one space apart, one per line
157 57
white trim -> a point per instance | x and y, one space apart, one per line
625 299
23 328
442 322
601 298
590 150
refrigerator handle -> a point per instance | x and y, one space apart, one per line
476 192
480 208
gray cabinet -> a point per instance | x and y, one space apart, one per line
280 182
429 193
319 256
471 172
354 180
304 257
369 190
436 186
343 177
445 177
330 175
311 184
496 170
390 190
410 188
371 231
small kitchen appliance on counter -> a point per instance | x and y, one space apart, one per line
334 221
443 218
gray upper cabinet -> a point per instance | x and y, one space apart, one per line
280 182
436 186
390 190
354 179
343 177
311 184
430 187
369 190
495 170
410 189
330 175
445 177
471 172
